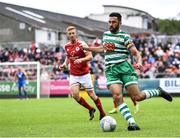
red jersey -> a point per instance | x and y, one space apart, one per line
74 51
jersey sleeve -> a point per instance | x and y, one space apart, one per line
128 43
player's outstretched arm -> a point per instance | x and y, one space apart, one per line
99 49
138 58
87 58
64 65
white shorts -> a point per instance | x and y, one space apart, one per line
84 80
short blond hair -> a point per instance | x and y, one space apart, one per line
69 28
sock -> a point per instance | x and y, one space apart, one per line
99 106
85 104
20 93
124 110
151 93
25 94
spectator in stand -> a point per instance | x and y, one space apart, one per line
97 42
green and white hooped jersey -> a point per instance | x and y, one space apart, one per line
122 42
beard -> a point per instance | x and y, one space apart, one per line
114 30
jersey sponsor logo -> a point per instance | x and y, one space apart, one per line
113 38
120 39
109 46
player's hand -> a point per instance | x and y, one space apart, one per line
109 46
78 61
60 67
138 66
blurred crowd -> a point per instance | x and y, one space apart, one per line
7 72
47 57
159 59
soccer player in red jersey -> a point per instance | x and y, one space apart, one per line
80 72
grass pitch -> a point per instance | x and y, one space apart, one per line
63 117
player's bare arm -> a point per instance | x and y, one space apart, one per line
138 57
99 49
87 58
65 64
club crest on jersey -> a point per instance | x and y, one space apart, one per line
77 48
72 53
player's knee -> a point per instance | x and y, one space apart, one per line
76 97
138 97
117 96
92 95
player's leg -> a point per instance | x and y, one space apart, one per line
76 96
25 93
87 82
24 90
130 79
136 95
114 110
98 103
116 90
136 104
115 84
75 87
20 91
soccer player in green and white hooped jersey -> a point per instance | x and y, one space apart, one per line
119 51
117 46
